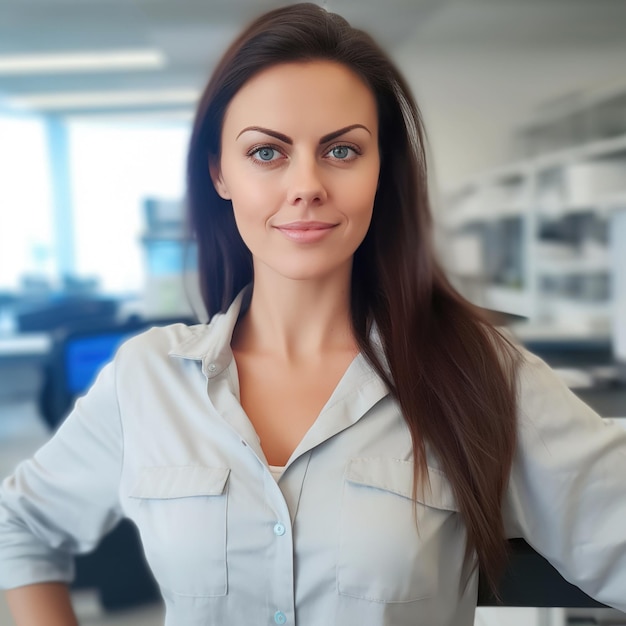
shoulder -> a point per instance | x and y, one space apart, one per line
165 340
548 407
536 377
530 373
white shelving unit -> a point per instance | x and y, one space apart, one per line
534 238
545 237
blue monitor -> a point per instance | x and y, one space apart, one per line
86 354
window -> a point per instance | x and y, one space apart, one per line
114 169
26 230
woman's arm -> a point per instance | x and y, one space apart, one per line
63 500
567 490
43 603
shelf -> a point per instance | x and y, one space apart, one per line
591 151
537 331
485 215
518 221
561 267
512 210
494 176
577 317
612 202
571 305
603 204
508 300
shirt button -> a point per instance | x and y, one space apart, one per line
280 617
212 367
279 530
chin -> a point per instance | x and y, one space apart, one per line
305 275
303 271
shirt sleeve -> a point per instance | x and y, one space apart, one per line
567 490
64 499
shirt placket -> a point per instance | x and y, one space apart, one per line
282 604
279 557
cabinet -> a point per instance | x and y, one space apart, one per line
538 238
545 237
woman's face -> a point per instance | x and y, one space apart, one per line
300 163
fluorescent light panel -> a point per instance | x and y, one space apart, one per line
59 62
104 99
142 117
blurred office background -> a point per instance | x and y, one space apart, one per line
524 103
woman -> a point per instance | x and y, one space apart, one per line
348 440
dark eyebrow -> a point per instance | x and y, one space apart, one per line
267 131
341 131
289 140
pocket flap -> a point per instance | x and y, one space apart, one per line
396 476
180 482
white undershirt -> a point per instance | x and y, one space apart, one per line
277 471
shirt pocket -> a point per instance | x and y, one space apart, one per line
390 547
181 515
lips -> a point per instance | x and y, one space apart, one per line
305 232
305 226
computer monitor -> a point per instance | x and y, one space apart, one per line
78 353
85 354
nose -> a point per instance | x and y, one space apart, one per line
306 187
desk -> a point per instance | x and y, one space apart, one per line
608 402
24 346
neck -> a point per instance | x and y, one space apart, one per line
297 319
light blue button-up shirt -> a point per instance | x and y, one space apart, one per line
161 438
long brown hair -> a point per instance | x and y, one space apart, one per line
451 371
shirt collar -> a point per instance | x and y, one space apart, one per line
210 343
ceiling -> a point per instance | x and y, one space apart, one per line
190 33
477 66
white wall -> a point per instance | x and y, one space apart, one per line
479 69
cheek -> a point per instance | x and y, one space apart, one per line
250 212
251 194
364 186
246 218
359 201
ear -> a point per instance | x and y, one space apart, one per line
218 181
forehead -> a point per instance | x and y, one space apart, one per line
315 95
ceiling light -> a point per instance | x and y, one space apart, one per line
139 117
58 62
103 99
